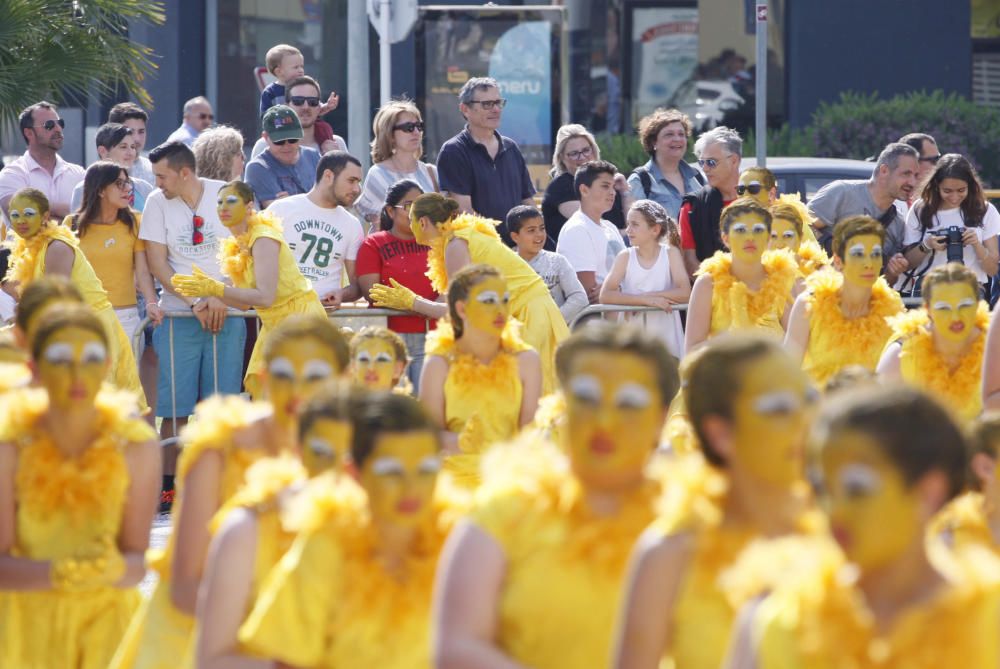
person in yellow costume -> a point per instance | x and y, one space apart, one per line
264 273
939 348
79 476
790 229
840 319
532 578
35 300
43 247
749 404
886 460
457 240
480 381
355 588
256 527
760 184
378 358
229 435
748 288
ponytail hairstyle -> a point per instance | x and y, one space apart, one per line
461 285
655 214
242 188
393 197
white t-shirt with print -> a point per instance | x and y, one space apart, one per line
590 246
171 223
321 239
942 221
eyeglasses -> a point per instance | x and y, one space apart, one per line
582 153
499 103
124 184
197 237
405 206
409 126
203 116
282 142
930 159
754 188
710 163
50 124
300 100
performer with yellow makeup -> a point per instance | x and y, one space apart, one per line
749 404
887 460
262 269
36 299
355 588
44 247
940 348
256 527
790 229
749 288
378 358
457 240
228 435
479 377
79 476
533 577
841 318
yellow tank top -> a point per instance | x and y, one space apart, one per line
736 307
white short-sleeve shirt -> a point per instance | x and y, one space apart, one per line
589 246
944 220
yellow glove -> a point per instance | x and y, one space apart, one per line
101 566
197 284
396 296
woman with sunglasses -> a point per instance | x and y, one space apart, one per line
396 151
393 254
44 247
575 145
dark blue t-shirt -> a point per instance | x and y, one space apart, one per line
273 94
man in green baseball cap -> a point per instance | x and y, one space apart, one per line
285 168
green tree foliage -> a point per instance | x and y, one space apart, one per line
66 50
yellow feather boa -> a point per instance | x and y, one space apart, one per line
468 370
963 521
811 257
88 487
959 386
24 255
746 309
211 428
437 271
236 253
266 481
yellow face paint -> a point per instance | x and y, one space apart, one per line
231 207
953 309
25 216
873 516
294 374
783 235
326 445
770 418
863 260
488 306
399 477
763 196
748 237
72 368
615 414
375 366
418 231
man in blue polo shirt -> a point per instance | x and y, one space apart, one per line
481 169
285 168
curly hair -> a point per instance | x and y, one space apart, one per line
650 126
214 151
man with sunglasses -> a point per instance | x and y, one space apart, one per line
198 117
41 166
927 147
286 167
304 99
480 168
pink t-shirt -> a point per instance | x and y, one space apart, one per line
25 172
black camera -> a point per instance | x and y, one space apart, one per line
952 237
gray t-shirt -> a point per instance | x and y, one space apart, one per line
562 282
845 198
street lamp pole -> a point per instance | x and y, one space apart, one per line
760 87
358 91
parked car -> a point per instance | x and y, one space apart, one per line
805 176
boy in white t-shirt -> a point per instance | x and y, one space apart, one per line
323 236
589 243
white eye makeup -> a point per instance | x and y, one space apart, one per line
966 303
759 228
14 214
858 480
777 404
429 465
632 396
315 370
321 448
788 234
585 388
739 228
282 368
383 357
857 251
386 466
363 357
29 211
876 251
232 199
59 354
488 297
94 353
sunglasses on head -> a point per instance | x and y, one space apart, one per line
50 124
753 188
197 237
409 126
282 142
300 100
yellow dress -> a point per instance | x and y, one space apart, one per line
65 505
329 604
736 307
27 263
160 634
564 565
294 295
530 301
836 342
921 365
819 620
481 401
